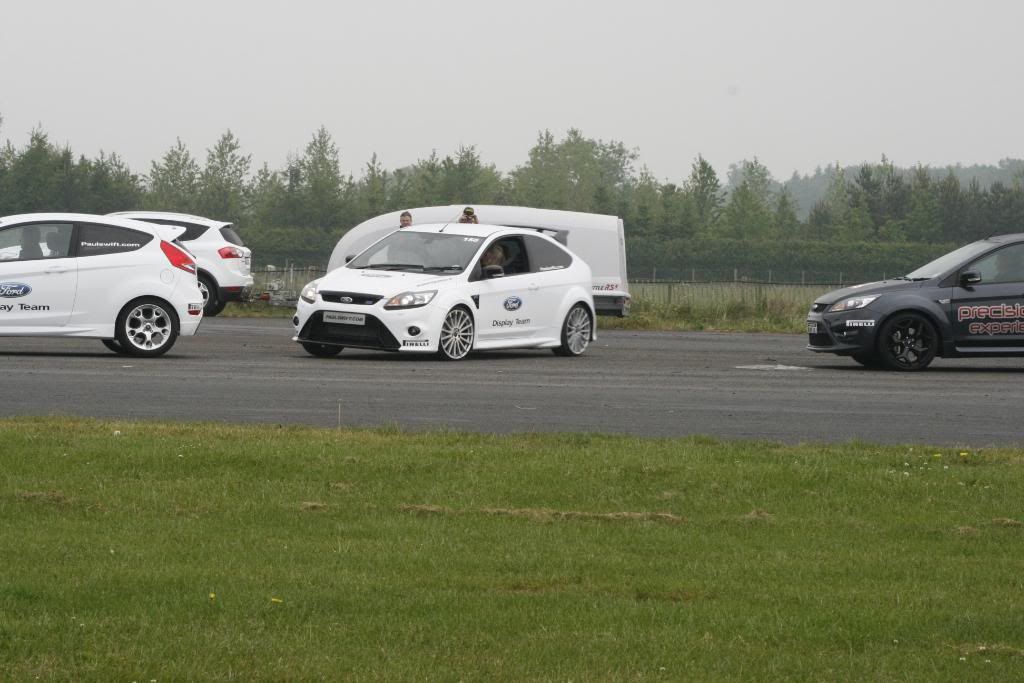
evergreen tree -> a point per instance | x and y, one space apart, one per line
174 181
224 179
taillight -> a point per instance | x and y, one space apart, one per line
177 257
230 252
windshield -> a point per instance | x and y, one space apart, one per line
419 252
951 260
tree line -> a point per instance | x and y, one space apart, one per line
298 211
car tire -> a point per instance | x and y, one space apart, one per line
146 327
868 360
113 345
210 299
907 342
322 350
218 309
576 330
458 332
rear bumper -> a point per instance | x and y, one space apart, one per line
236 293
612 304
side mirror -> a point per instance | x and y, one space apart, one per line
969 277
490 272
349 257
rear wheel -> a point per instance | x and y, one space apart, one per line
211 301
576 330
457 335
146 327
907 341
322 350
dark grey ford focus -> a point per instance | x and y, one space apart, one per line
968 303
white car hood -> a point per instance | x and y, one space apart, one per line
382 282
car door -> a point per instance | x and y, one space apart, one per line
989 314
548 282
38 276
506 303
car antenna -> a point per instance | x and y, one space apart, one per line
444 226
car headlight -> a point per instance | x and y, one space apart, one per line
852 304
309 293
409 300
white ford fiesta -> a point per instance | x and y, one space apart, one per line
76 275
450 289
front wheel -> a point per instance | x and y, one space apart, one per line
146 327
908 342
322 350
457 335
576 331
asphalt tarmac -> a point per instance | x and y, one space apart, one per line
751 386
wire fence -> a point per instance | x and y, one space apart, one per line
281 286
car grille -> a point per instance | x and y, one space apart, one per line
353 298
372 335
820 339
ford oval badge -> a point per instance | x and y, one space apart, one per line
13 290
513 303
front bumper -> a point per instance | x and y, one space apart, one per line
842 333
381 330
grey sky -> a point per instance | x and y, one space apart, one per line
797 83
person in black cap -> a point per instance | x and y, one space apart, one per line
468 215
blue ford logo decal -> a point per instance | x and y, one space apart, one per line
12 290
513 303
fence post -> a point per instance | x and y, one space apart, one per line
735 275
654 274
840 278
769 276
802 280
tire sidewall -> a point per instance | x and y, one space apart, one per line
127 347
210 308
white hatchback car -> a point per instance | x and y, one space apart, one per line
75 275
222 260
451 289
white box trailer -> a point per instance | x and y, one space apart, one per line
596 238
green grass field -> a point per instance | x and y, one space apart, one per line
147 551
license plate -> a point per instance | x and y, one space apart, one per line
344 318
812 328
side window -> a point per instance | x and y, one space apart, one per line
510 254
35 241
95 240
546 256
192 230
1005 265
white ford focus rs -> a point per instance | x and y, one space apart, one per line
124 282
451 289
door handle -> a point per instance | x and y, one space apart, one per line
534 287
56 269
